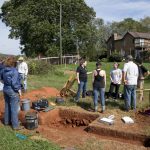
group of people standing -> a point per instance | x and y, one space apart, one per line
131 75
13 75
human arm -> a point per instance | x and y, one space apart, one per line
78 78
111 79
15 81
93 76
26 69
105 78
124 74
89 73
120 76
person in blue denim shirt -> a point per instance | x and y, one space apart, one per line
1 69
12 91
99 84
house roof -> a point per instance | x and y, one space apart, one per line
140 35
134 34
118 37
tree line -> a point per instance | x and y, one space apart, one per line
37 24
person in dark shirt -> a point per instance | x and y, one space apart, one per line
99 84
143 72
82 79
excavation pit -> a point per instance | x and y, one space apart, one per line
68 119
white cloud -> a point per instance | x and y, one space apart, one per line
109 10
116 10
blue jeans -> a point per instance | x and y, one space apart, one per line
100 91
23 81
81 87
130 96
11 108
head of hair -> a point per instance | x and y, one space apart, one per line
10 62
129 58
115 63
98 64
139 61
81 61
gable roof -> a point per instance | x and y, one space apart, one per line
140 35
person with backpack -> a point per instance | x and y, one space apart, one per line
99 84
143 72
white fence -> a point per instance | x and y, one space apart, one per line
57 60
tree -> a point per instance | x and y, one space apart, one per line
128 24
36 24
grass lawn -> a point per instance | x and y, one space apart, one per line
9 141
57 79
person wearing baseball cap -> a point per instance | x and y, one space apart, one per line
23 71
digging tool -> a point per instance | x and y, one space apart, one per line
66 90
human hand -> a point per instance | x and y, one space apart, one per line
78 81
25 77
125 82
20 93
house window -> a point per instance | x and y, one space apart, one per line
139 42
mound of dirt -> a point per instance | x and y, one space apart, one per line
44 92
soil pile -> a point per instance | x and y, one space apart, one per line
44 92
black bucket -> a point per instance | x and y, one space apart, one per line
31 120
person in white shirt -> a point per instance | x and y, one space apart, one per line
23 71
130 77
116 79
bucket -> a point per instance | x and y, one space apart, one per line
31 120
25 105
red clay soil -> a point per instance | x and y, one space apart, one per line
66 127
44 92
33 95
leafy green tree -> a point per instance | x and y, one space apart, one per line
128 24
36 24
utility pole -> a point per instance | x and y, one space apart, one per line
77 48
60 34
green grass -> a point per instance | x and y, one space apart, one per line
57 79
9 141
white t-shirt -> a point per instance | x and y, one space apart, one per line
131 70
116 75
22 68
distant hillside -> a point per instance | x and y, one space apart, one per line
2 56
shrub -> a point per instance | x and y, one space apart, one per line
115 57
37 67
104 60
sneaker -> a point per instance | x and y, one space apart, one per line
18 128
96 109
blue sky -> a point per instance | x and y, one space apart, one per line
109 10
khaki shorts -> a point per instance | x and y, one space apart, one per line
141 88
140 84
